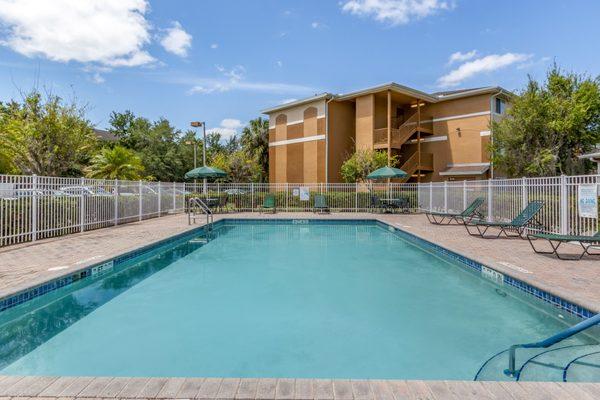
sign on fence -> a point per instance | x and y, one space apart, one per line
587 200
304 193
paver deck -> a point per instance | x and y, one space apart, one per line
232 388
29 264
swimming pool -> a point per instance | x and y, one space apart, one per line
345 299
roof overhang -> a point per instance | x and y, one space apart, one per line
394 87
592 156
465 170
475 92
322 96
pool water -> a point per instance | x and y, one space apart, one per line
335 300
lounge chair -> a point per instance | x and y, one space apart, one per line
555 241
375 203
269 204
469 213
518 225
320 204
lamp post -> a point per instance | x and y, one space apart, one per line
198 124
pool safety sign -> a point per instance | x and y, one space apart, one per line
304 193
587 201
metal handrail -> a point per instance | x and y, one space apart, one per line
559 337
197 203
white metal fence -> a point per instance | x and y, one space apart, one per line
35 207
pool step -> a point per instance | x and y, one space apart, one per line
566 362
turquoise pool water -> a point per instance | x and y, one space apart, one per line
287 300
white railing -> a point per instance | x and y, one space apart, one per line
36 207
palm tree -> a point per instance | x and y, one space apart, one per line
116 163
255 141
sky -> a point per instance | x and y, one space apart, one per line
224 61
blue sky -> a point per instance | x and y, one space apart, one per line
224 61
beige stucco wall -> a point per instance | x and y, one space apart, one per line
302 161
296 114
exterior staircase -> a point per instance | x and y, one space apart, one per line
560 358
412 165
403 133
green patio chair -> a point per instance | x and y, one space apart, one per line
269 204
518 225
555 241
320 204
469 213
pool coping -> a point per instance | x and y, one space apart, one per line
37 289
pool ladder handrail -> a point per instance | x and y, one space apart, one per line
543 344
196 203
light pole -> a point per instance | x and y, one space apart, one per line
197 124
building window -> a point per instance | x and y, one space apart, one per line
500 106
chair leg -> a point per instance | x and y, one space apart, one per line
536 250
469 231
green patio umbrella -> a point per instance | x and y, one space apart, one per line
386 173
205 172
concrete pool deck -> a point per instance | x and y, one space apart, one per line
30 264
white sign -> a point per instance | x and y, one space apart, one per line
304 193
295 192
587 201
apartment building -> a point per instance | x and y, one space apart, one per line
435 137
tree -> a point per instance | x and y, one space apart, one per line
238 165
45 136
548 126
116 163
255 142
163 150
360 164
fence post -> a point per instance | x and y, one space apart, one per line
140 200
465 194
524 194
34 209
430 196
116 194
564 206
356 197
445 196
287 186
159 198
490 205
175 197
252 197
81 206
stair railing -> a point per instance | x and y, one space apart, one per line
559 337
196 204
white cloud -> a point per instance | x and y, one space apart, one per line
105 32
235 79
228 128
485 64
279 63
460 57
214 46
395 12
231 123
177 40
315 25
97 78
